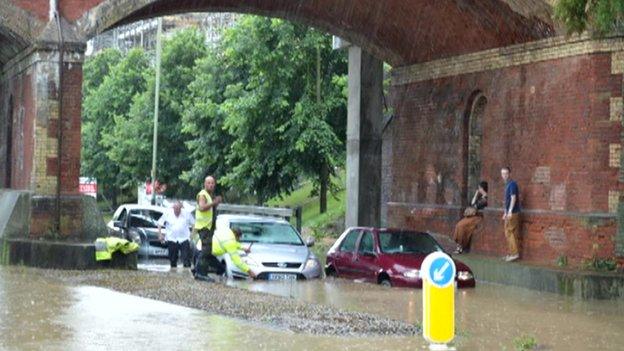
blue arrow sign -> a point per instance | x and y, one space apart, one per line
442 271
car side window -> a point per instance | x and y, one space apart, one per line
348 244
366 244
122 215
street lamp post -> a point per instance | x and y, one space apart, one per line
156 98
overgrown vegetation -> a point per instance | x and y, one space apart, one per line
262 110
600 264
525 343
562 261
600 16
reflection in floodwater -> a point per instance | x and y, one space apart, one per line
488 317
36 313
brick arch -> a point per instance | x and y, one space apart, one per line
400 32
18 28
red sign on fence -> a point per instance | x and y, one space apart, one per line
88 186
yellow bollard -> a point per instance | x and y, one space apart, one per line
438 276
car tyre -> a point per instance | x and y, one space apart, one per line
385 282
330 272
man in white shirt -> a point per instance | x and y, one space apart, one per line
177 225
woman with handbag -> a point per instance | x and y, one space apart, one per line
472 218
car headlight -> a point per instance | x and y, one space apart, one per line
464 275
311 263
412 274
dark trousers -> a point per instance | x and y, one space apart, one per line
206 261
184 248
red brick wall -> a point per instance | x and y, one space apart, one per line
23 116
72 105
549 121
70 9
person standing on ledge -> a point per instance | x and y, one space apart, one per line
511 215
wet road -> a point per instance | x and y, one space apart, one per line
36 313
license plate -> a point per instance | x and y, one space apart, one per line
158 252
282 276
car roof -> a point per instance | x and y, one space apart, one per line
144 207
249 218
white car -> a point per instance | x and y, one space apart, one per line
277 250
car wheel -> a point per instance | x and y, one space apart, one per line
385 282
330 272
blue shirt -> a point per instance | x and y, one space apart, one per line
511 188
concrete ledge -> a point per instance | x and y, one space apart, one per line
61 255
581 285
14 213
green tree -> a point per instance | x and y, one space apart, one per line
131 140
603 16
102 104
96 68
280 119
204 119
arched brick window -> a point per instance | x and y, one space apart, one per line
473 135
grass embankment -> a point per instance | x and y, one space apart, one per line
325 227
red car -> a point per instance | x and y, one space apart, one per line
390 257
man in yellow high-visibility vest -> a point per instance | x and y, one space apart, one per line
227 241
204 224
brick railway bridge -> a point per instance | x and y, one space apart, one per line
476 84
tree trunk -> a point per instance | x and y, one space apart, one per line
324 182
324 172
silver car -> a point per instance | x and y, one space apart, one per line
277 251
138 223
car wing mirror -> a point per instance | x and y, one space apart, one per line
118 224
310 241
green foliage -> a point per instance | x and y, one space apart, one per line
562 261
525 342
133 133
248 111
602 16
111 85
600 264
260 125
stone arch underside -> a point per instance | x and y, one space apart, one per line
400 32
18 28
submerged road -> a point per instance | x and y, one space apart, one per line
42 309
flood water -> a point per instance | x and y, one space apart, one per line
38 314
488 317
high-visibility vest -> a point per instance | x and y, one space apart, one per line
104 247
224 241
203 219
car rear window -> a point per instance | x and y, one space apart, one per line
407 242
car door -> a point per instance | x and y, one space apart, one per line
365 260
343 262
119 216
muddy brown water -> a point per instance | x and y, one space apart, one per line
40 314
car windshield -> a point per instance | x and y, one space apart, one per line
268 233
407 242
144 218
